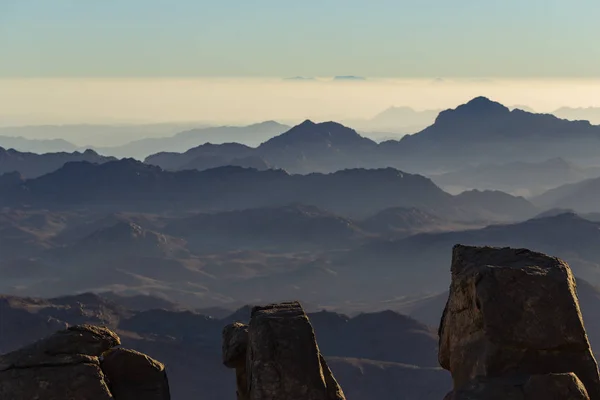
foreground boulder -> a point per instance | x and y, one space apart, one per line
512 328
67 365
277 357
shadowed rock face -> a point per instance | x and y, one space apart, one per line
277 357
67 365
512 326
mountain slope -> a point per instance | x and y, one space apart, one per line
310 147
275 228
419 263
249 135
205 156
582 196
131 185
36 145
307 147
483 131
32 165
517 177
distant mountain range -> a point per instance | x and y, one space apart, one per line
251 135
591 114
581 196
522 178
395 121
31 165
36 145
131 185
425 256
482 132
479 132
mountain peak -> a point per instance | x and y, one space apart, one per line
483 104
307 123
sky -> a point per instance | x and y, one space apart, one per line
275 38
75 61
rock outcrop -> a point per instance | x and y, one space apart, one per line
512 328
277 357
81 363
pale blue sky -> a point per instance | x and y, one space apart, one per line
374 38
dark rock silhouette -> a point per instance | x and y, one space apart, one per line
512 321
281 360
67 365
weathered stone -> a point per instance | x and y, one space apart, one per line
555 386
513 312
283 359
75 381
277 357
67 365
133 375
235 346
64 347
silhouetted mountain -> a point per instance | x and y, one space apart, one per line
202 163
98 135
395 120
582 196
478 132
131 185
493 205
202 157
309 147
305 148
524 108
32 165
484 131
36 145
591 114
517 177
183 141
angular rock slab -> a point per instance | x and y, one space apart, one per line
66 365
513 312
283 360
235 346
62 366
133 375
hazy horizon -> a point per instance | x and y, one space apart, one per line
239 101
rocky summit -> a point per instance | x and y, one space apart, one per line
277 357
512 328
81 363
